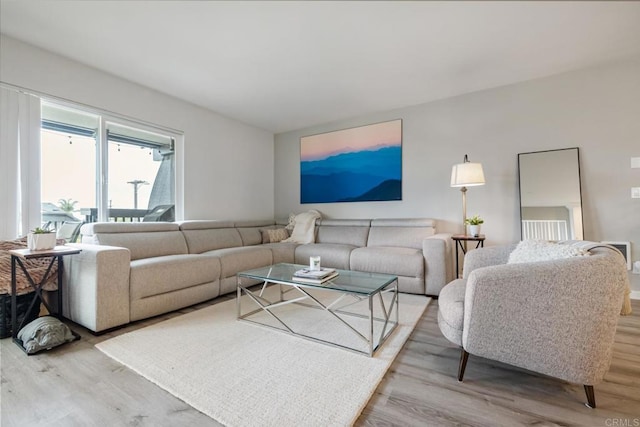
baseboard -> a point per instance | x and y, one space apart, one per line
635 294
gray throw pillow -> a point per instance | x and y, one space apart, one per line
45 332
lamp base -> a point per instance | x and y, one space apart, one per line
464 209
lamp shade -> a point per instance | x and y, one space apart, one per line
467 175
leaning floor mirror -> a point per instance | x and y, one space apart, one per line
550 195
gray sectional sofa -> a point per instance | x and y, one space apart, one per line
132 271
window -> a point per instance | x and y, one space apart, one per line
99 168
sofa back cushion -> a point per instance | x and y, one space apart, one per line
404 232
251 231
343 231
203 236
144 239
250 236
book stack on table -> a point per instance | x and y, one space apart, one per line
315 276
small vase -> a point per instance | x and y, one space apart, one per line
474 230
41 242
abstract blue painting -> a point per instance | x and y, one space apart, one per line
352 165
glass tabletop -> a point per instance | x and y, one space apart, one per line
348 281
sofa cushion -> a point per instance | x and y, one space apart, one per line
258 223
234 260
250 236
282 251
173 300
411 285
204 224
332 255
404 222
158 275
451 310
126 227
407 233
251 231
389 260
204 240
143 244
344 232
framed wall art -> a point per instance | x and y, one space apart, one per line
352 165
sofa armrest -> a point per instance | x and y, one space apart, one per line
96 286
555 317
438 262
485 257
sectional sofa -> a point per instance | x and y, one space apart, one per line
132 271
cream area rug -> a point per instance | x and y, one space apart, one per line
242 374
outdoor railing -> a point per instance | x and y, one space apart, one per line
115 215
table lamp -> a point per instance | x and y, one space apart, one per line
466 174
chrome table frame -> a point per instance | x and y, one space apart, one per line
334 309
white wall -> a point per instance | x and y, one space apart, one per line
225 161
597 110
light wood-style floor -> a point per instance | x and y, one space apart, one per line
77 385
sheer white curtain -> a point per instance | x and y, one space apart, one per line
19 163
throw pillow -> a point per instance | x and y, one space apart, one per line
274 235
44 333
542 250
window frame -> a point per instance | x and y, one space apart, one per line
102 147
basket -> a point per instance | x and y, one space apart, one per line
22 304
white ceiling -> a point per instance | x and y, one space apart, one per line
288 65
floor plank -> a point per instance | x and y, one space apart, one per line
77 385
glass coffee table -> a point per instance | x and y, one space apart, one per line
356 311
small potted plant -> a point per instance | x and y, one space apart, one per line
474 225
40 239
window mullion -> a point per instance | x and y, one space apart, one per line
102 168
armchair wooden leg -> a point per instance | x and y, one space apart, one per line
464 356
591 396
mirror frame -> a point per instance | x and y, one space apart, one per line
579 184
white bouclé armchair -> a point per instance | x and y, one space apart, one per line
556 317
